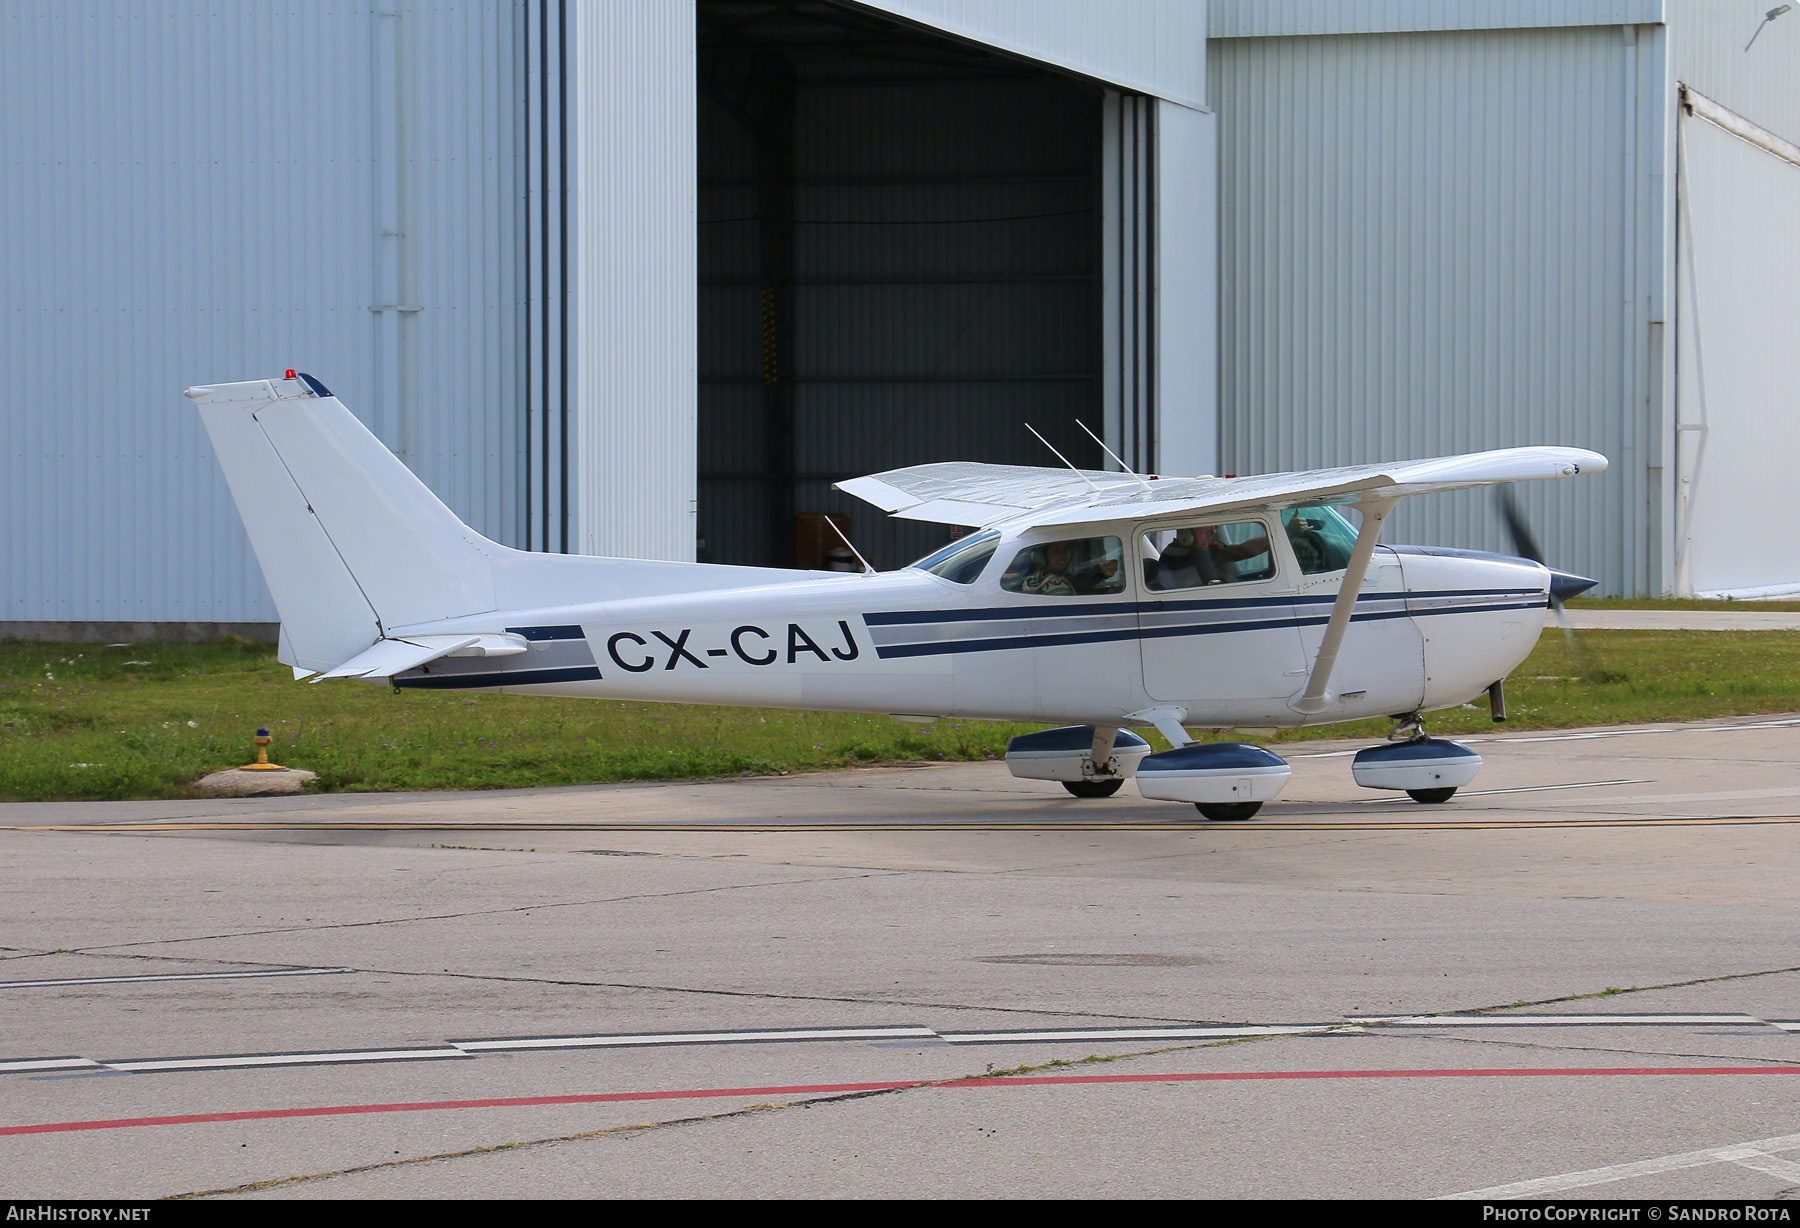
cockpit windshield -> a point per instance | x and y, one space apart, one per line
1322 539
961 562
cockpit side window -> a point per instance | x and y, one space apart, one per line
1079 567
1197 555
1322 539
961 562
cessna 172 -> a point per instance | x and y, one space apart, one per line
1097 600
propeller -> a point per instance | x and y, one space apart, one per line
1563 584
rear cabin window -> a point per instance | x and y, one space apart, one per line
1198 555
1079 567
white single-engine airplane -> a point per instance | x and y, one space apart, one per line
1094 599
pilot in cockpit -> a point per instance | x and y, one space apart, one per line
1200 556
1067 569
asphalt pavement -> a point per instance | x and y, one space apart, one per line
1580 978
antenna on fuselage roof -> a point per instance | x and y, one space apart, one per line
867 570
1059 456
1111 453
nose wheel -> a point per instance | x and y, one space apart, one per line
1428 770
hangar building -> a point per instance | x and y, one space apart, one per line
645 277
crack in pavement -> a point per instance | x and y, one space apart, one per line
1045 1012
107 948
253 1187
747 1111
802 997
771 995
1555 1048
1611 992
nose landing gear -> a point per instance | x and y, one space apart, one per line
1428 770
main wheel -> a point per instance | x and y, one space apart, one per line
1223 812
1093 788
1431 797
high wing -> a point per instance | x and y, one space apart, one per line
979 495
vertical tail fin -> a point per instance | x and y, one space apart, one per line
349 540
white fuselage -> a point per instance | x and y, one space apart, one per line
1431 629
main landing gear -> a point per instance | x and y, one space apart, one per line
1094 788
1228 812
1228 782
1088 761
1428 770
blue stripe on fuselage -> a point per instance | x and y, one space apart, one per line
1487 600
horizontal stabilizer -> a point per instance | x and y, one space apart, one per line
389 657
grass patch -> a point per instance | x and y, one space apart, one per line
1625 678
84 722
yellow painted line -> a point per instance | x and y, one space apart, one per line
645 829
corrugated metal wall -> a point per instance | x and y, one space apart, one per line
1429 245
463 217
1707 46
1128 251
548 200
944 292
192 195
1262 18
632 275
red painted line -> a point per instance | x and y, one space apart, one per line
507 1102
831 1089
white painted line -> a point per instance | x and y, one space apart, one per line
1626 733
1592 784
474 1048
1533 1021
50 1063
1586 784
171 976
693 1038
1762 1162
1503 739
1624 1172
1000 1038
284 1059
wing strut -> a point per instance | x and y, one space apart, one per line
1317 696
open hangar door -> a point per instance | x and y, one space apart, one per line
1737 266
900 261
